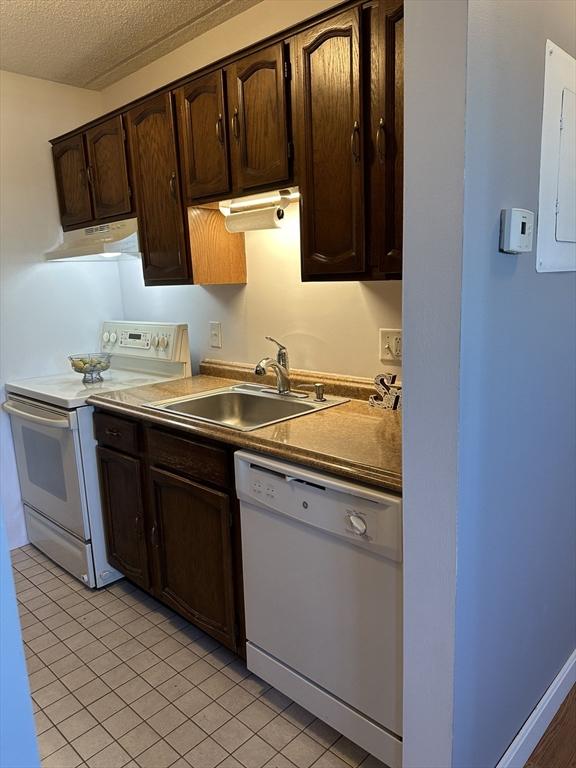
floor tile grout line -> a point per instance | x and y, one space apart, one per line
143 606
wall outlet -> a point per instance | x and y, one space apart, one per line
390 345
215 334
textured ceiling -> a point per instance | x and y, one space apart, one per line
93 43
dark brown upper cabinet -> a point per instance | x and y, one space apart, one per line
203 138
384 67
258 119
328 135
161 232
92 178
108 169
332 85
348 118
71 173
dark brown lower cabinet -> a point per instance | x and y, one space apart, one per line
193 552
172 521
123 510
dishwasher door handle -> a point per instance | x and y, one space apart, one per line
279 475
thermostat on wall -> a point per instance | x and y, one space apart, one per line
516 230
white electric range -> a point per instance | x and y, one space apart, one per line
56 450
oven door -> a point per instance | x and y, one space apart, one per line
49 461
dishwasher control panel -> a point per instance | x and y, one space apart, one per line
361 515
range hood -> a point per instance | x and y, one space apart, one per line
103 242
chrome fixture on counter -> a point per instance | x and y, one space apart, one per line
280 366
318 388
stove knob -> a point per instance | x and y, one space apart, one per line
113 338
154 342
163 342
105 337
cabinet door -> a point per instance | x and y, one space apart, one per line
123 514
192 544
384 26
161 231
202 133
258 119
328 148
108 169
72 181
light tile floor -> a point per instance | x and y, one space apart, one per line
120 681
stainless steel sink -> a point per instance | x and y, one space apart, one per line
244 407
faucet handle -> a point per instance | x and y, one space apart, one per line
280 346
282 354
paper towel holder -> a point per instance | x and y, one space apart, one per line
249 209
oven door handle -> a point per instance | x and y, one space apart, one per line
56 423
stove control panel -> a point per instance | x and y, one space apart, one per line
136 339
152 341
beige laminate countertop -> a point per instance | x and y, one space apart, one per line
352 440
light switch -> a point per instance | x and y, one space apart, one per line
390 344
215 334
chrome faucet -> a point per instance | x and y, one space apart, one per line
280 367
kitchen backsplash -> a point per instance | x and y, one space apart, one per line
330 327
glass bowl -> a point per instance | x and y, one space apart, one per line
90 365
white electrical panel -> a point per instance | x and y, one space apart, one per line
556 250
516 230
566 206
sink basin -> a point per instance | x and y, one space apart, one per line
244 407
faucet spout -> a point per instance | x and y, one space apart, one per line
282 376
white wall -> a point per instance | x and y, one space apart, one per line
328 327
434 104
516 590
47 310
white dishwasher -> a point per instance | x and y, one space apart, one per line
322 562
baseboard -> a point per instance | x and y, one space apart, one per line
534 728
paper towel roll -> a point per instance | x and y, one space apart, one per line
260 218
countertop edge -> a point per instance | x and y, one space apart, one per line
383 479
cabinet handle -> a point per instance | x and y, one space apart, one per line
90 175
111 432
219 131
236 124
154 535
355 141
381 140
173 184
